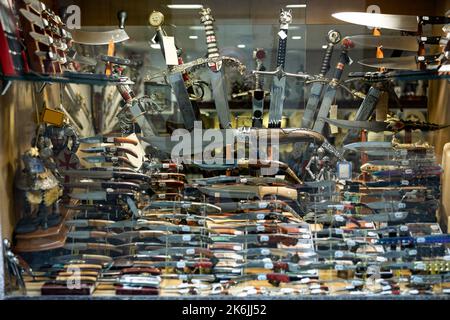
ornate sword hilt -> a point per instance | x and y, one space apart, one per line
213 51
285 20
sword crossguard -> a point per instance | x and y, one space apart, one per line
280 73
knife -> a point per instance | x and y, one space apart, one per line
104 185
406 43
390 21
109 159
399 63
102 139
110 149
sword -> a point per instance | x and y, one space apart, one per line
187 205
330 91
84 223
35 19
333 38
249 192
218 84
106 174
390 21
176 79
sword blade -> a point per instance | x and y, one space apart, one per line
324 110
219 91
277 97
184 103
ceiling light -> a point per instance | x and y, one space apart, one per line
196 27
324 46
193 37
184 6
241 45
296 6
296 37
155 46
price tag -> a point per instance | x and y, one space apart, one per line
339 231
268 265
338 254
385 288
412 252
421 240
265 251
314 286
244 180
260 216
166 165
404 152
282 34
344 170
190 251
408 171
402 205
260 228
263 205
405 162
339 218
264 238
306 236
262 277
237 248
404 228
110 139
305 280
339 267
316 291
186 237
186 205
398 215
381 259
161 195
170 51
351 243
420 266
181 264
183 277
405 182
185 228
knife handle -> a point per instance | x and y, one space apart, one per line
277 277
122 16
434 20
281 265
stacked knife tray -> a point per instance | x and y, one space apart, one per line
45 39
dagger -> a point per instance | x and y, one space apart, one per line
36 5
102 195
187 205
106 174
433 239
85 258
258 239
109 159
83 223
110 149
390 21
218 83
102 139
89 235
90 246
249 192
184 251
176 79
104 185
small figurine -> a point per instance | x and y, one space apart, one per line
41 188
314 165
326 172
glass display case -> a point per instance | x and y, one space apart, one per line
287 149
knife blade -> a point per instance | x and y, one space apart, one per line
398 63
102 139
389 21
110 149
99 37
